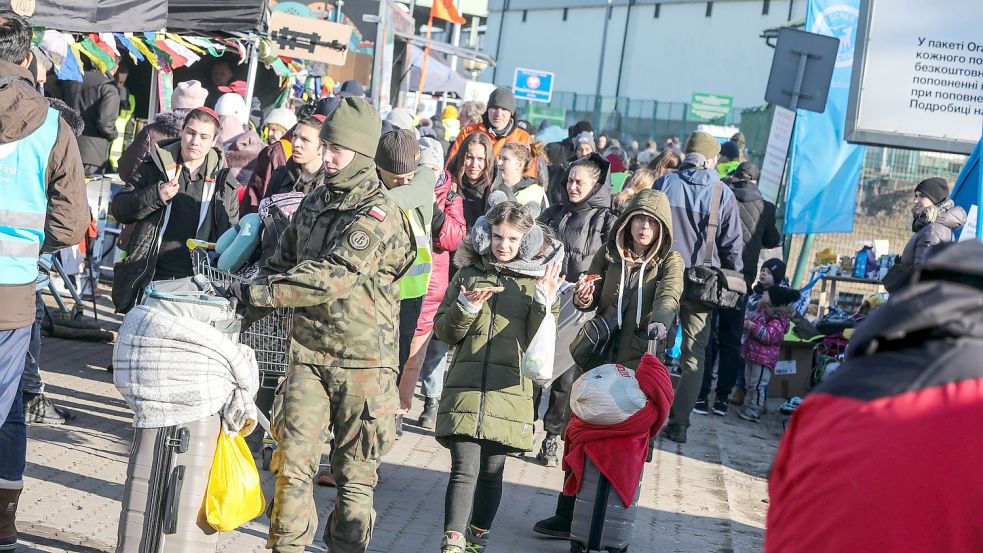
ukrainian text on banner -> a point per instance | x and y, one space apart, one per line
824 169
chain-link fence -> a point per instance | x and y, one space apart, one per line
627 119
883 212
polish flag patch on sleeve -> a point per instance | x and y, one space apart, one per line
378 213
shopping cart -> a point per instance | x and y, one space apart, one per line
268 337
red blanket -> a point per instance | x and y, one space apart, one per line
619 450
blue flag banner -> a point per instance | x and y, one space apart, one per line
966 193
824 170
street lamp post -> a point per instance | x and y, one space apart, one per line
600 69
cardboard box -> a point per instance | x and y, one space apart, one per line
793 373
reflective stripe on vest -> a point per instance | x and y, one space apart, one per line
414 283
116 148
23 166
534 193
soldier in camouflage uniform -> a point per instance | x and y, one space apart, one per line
337 263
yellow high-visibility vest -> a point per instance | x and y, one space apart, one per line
414 283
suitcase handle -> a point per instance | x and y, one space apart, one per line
172 500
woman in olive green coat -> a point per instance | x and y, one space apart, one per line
486 410
637 251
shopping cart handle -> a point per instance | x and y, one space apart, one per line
195 244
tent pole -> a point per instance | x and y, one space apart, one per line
153 106
251 72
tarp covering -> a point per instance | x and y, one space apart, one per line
242 16
101 16
966 192
97 16
440 77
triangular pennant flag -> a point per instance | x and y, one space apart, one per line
101 50
70 68
135 53
145 50
109 40
176 60
445 9
182 51
180 40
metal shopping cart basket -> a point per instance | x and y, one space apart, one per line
268 337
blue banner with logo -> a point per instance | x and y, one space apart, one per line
824 170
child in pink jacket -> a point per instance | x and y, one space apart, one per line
764 332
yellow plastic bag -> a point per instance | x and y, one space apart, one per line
234 495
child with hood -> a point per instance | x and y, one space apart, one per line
772 274
764 332
638 291
509 276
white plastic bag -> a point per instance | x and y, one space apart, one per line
607 395
537 363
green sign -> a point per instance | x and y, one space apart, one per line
711 107
537 113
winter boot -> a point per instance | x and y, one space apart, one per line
477 539
428 418
737 396
702 406
8 512
720 406
674 433
40 410
548 452
558 525
453 542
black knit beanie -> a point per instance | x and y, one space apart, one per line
398 152
503 98
935 189
780 295
777 269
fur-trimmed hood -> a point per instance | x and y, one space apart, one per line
537 250
774 312
171 121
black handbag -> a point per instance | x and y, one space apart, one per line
592 345
709 286
897 277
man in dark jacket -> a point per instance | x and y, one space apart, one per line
97 99
44 208
892 435
690 193
759 231
181 190
186 97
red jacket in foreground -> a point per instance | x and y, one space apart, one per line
885 454
619 450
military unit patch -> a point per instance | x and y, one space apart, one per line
359 240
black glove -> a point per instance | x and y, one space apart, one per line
237 290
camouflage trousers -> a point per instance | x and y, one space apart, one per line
358 407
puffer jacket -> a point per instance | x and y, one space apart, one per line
651 286
485 395
138 205
166 125
928 234
690 192
757 225
447 232
527 192
583 227
67 216
763 342
270 159
97 100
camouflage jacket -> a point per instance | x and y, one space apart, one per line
337 263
